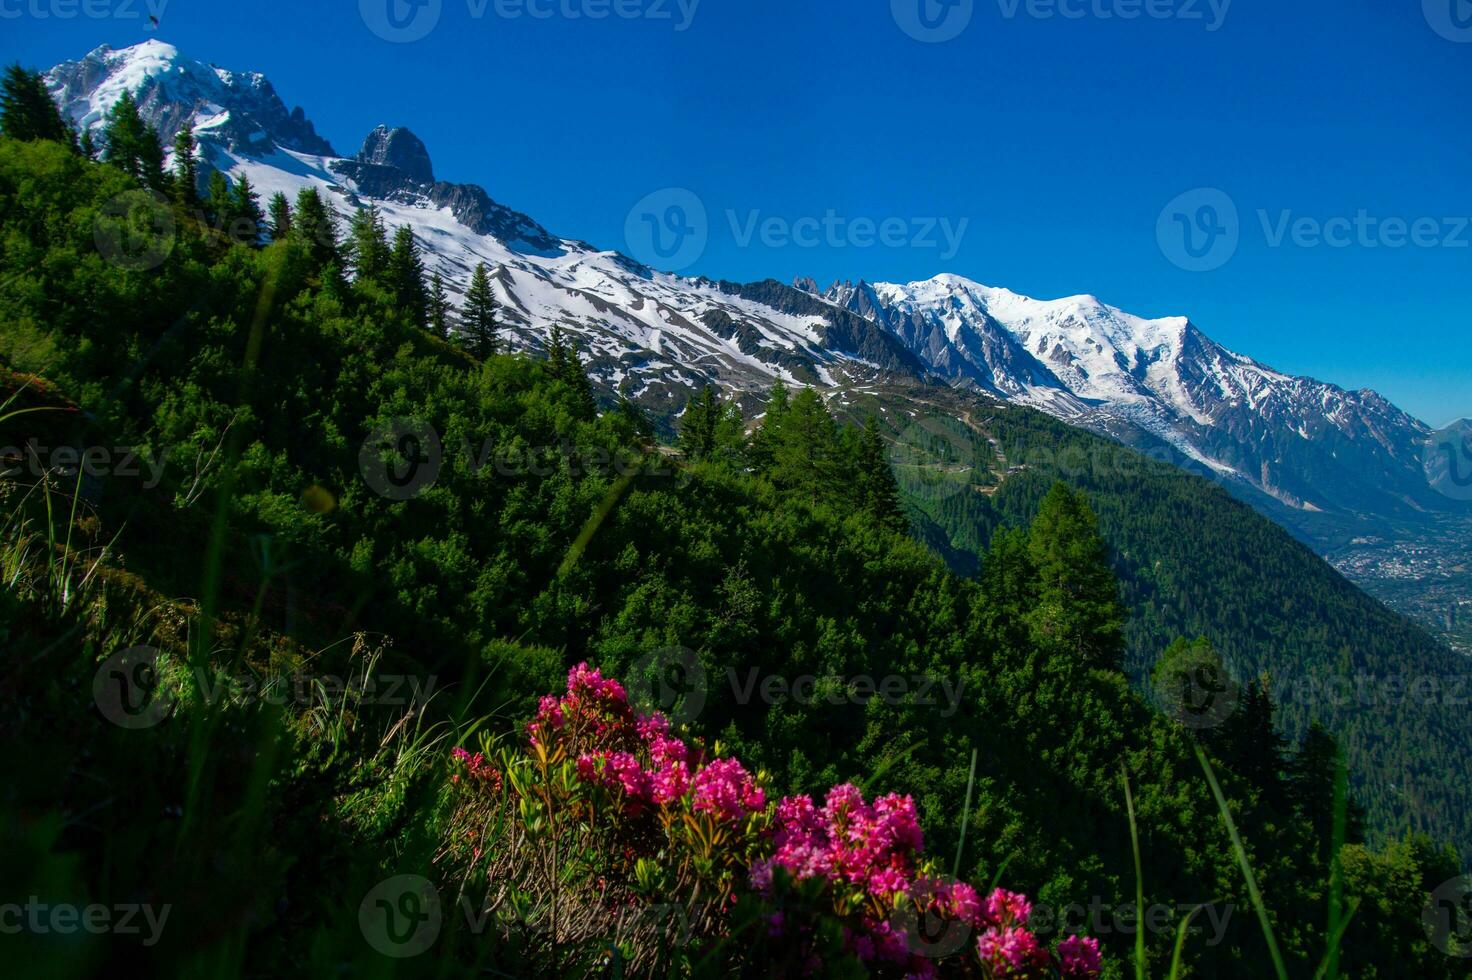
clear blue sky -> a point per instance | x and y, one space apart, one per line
1060 140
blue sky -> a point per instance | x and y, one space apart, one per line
1059 135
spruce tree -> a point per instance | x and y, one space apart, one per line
763 440
186 169
314 228
698 424
367 245
218 202
280 216
1078 607
439 307
877 491
132 144
406 274
246 219
478 317
26 109
86 146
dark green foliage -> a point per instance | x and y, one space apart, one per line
186 168
438 307
218 201
26 109
406 276
367 247
875 479
132 144
488 577
568 368
247 222
279 211
478 317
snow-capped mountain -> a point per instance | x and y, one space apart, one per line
1309 446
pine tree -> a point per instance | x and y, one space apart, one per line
314 228
406 274
26 109
132 145
1078 607
763 440
1312 773
186 169
85 146
280 211
1008 582
439 307
478 317
246 219
805 449
218 202
565 365
367 245
877 491
698 424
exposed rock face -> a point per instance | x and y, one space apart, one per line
398 148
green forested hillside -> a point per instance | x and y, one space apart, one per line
342 490
1194 561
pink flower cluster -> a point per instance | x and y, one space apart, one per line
476 768
596 722
870 853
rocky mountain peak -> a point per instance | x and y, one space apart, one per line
398 148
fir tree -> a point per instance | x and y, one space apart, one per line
86 146
280 212
406 274
439 307
878 493
246 219
218 202
763 440
367 245
478 318
314 228
26 109
186 169
132 145
1078 607
698 423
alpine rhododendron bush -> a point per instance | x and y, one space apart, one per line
601 837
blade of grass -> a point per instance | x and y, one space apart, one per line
1129 804
1331 955
1181 931
1241 852
965 816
